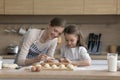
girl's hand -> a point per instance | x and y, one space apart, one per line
66 60
61 60
45 58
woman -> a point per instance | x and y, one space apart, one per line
39 45
74 51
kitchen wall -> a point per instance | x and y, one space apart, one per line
107 25
10 34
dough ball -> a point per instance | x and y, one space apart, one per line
62 66
38 65
5 65
38 68
33 68
70 66
47 66
54 66
12 66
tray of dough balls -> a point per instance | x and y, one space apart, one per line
52 66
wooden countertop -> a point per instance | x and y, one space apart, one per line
70 75
94 57
8 56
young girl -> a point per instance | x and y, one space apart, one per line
74 51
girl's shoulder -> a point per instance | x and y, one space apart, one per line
82 49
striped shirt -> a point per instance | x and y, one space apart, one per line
32 47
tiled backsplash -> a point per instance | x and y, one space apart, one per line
9 34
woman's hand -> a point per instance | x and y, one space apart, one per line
50 59
45 58
42 57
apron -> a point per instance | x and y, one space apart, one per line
35 49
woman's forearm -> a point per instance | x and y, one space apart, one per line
39 58
31 61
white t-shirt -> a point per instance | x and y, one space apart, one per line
75 54
33 36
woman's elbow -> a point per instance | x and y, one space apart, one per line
20 63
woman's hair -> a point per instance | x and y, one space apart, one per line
57 22
73 29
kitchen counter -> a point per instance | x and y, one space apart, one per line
94 57
8 56
94 72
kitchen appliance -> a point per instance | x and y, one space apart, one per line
11 50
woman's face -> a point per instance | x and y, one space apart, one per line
71 40
54 32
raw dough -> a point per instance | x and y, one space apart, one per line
54 66
12 66
47 66
62 66
70 66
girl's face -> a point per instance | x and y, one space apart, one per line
71 40
54 32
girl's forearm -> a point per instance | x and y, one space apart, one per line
82 63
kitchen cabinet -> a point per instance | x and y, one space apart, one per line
62 7
1 6
100 7
118 7
13 7
55 7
